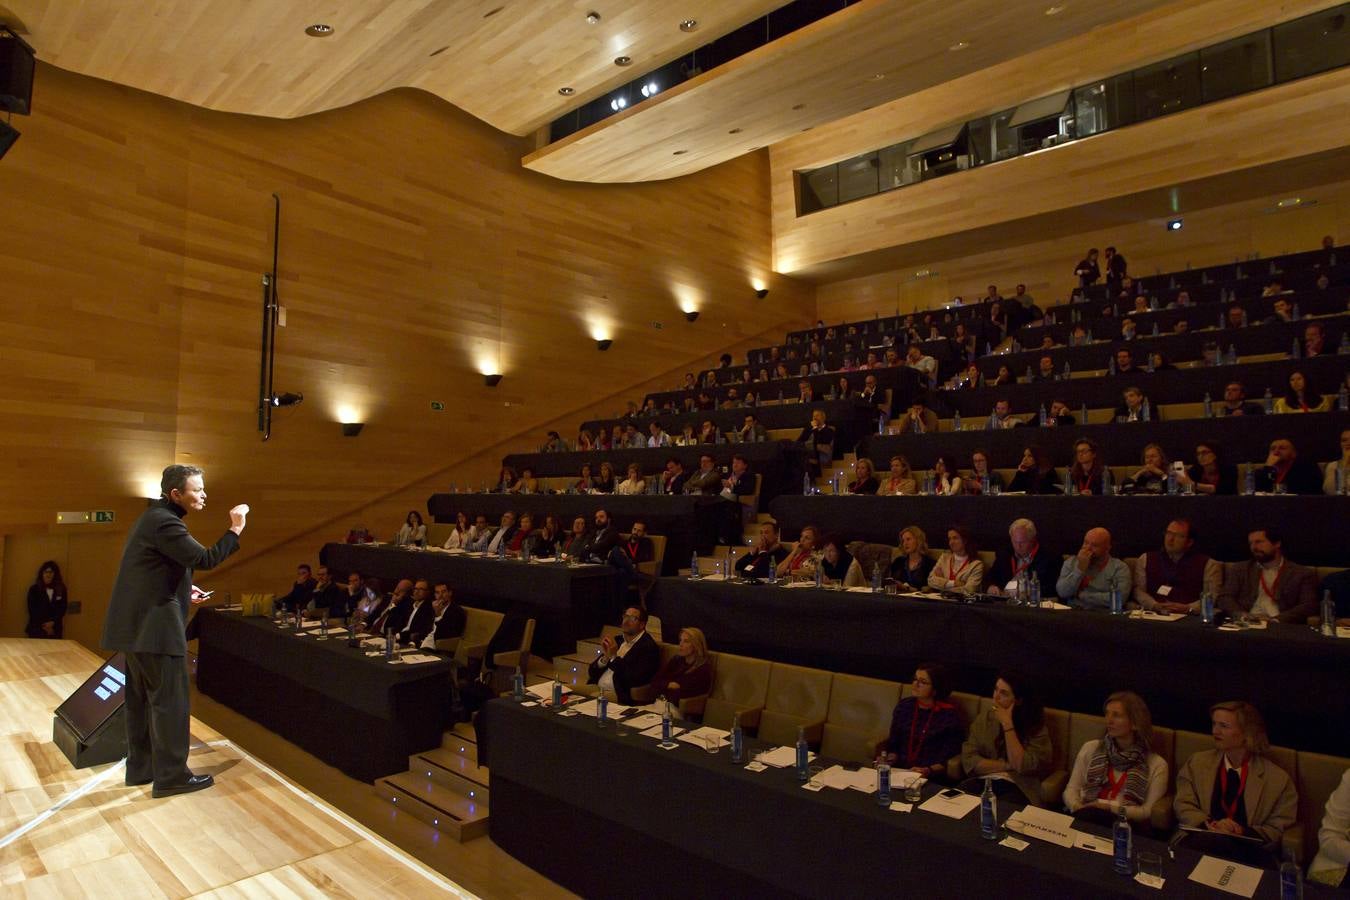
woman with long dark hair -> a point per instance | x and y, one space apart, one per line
1009 738
47 601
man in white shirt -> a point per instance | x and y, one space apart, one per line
419 616
1002 416
626 663
926 365
1269 586
447 619
659 437
479 534
503 534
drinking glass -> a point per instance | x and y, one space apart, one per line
1150 869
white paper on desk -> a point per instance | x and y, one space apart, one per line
588 708
372 642
1258 625
797 584
782 757
655 732
859 590
643 721
698 737
839 778
1232 877
1032 821
1054 604
338 630
952 808
415 658
543 690
1084 841
1156 616
712 578
454 551
1343 631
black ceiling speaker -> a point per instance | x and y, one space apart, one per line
8 136
16 73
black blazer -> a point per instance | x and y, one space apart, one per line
42 609
449 625
1044 565
150 597
417 623
637 666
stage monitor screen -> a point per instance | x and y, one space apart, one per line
97 699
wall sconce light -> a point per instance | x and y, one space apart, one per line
761 293
492 380
691 316
603 345
352 429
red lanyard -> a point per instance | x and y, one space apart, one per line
1018 568
952 572
1084 484
913 748
1280 474
1272 588
1230 811
1113 785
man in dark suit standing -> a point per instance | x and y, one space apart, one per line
624 664
146 617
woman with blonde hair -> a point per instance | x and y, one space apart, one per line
913 565
900 480
802 560
634 483
1119 770
864 482
687 673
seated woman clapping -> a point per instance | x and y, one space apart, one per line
1119 770
926 729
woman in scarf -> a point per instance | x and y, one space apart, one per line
1120 770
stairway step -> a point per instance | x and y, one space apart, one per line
459 773
460 746
446 810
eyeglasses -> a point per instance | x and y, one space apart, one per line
922 681
628 618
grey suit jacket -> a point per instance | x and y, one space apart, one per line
150 598
701 482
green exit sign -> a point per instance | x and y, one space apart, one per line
437 406
104 516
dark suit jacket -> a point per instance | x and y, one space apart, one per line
642 553
709 482
602 542
332 598
449 625
299 595
42 609
1044 566
150 597
1303 478
417 624
676 484
1297 590
637 666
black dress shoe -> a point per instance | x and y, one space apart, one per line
138 782
192 783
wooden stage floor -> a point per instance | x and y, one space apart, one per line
82 833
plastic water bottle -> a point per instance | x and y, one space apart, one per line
518 686
1249 481
1343 399
883 784
1344 348
1269 401
1155 329
1117 606
1209 406
1111 366
1328 613
806 485
1232 354
1148 411
693 567
956 420
501 549
389 643
988 812
1207 608
991 424
323 627
1291 879
1171 483
737 740
1294 350
984 485
876 579
881 423
820 576
1069 489
557 692
602 713
1067 371
1108 486
1045 417
1295 312
1082 414
1122 839
803 755
1035 591
525 551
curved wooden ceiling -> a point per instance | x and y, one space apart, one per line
500 60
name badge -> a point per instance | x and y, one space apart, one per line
1011 587
1164 590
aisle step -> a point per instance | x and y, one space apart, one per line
445 809
453 770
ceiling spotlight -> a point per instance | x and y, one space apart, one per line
877 77
1290 201
618 103
492 380
593 17
734 131
1053 10
623 60
959 45
567 91
800 106
1174 224
280 400
691 316
352 429
603 345
761 293
319 30
649 89
689 25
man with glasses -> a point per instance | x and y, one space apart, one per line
628 662
1172 580
1235 402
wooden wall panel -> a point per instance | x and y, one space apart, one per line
412 244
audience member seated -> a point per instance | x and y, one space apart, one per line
1211 473
1059 415
688 673
958 567
554 444
1285 472
1022 556
946 476
1031 313
459 532
603 541
918 420
632 438
1035 473
899 481
637 546
1004 377
544 541
1284 311
838 565
1129 330
1236 788
516 542
576 541
1135 407
805 393
658 438
634 483
604 483
1173 579
502 538
328 600
1336 479
506 479
413 625
300 592
389 614
864 481
752 432
818 438
354 593
1087 579
630 661
1119 772
1045 370
708 432
527 484
1151 476
979 472
447 619
706 480
584 483
413 533
480 535
586 441
687 436
911 568
925 365
1009 738
1314 340
672 481
1333 838
926 729
1269 587
1002 416
1235 402
1086 473
47 603
1157 362
1235 317
802 561
1302 396
764 557
1125 362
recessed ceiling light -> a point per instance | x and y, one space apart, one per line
319 30
623 60
688 25
800 106
734 131
1054 10
959 45
1290 201
567 91
679 152
593 17
878 76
